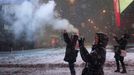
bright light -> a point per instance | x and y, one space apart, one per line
89 20
83 25
95 27
92 22
104 11
132 25
71 1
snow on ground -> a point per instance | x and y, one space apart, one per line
56 71
32 62
50 56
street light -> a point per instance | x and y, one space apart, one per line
72 1
89 20
104 11
92 22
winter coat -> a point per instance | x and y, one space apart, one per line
117 52
71 53
96 58
122 43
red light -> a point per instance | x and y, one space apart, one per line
117 12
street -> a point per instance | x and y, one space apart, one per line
55 71
50 62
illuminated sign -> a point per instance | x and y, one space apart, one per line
119 7
124 4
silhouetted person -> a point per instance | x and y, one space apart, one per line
96 58
122 43
71 52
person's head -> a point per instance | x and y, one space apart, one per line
74 37
126 36
101 39
96 39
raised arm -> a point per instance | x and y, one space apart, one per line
123 43
83 51
66 37
117 40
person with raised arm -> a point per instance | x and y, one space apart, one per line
96 58
71 52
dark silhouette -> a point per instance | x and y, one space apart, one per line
71 52
96 58
122 43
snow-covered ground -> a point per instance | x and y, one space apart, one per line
50 62
56 71
50 56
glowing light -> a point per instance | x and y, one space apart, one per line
89 20
83 25
92 22
71 1
104 11
132 25
106 27
95 27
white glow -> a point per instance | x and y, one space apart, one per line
72 1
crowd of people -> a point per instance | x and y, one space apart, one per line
94 61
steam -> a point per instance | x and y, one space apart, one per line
29 16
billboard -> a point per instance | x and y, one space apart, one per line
119 7
124 4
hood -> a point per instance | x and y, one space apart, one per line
103 39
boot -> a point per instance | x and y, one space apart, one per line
123 67
117 70
124 71
118 66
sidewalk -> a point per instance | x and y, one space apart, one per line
50 57
56 71
50 62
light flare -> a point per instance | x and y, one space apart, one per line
72 1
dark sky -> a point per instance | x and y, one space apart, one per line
83 10
89 16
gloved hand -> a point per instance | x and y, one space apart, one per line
81 42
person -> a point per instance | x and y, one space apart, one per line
122 43
96 58
71 52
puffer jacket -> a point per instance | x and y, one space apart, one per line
96 58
